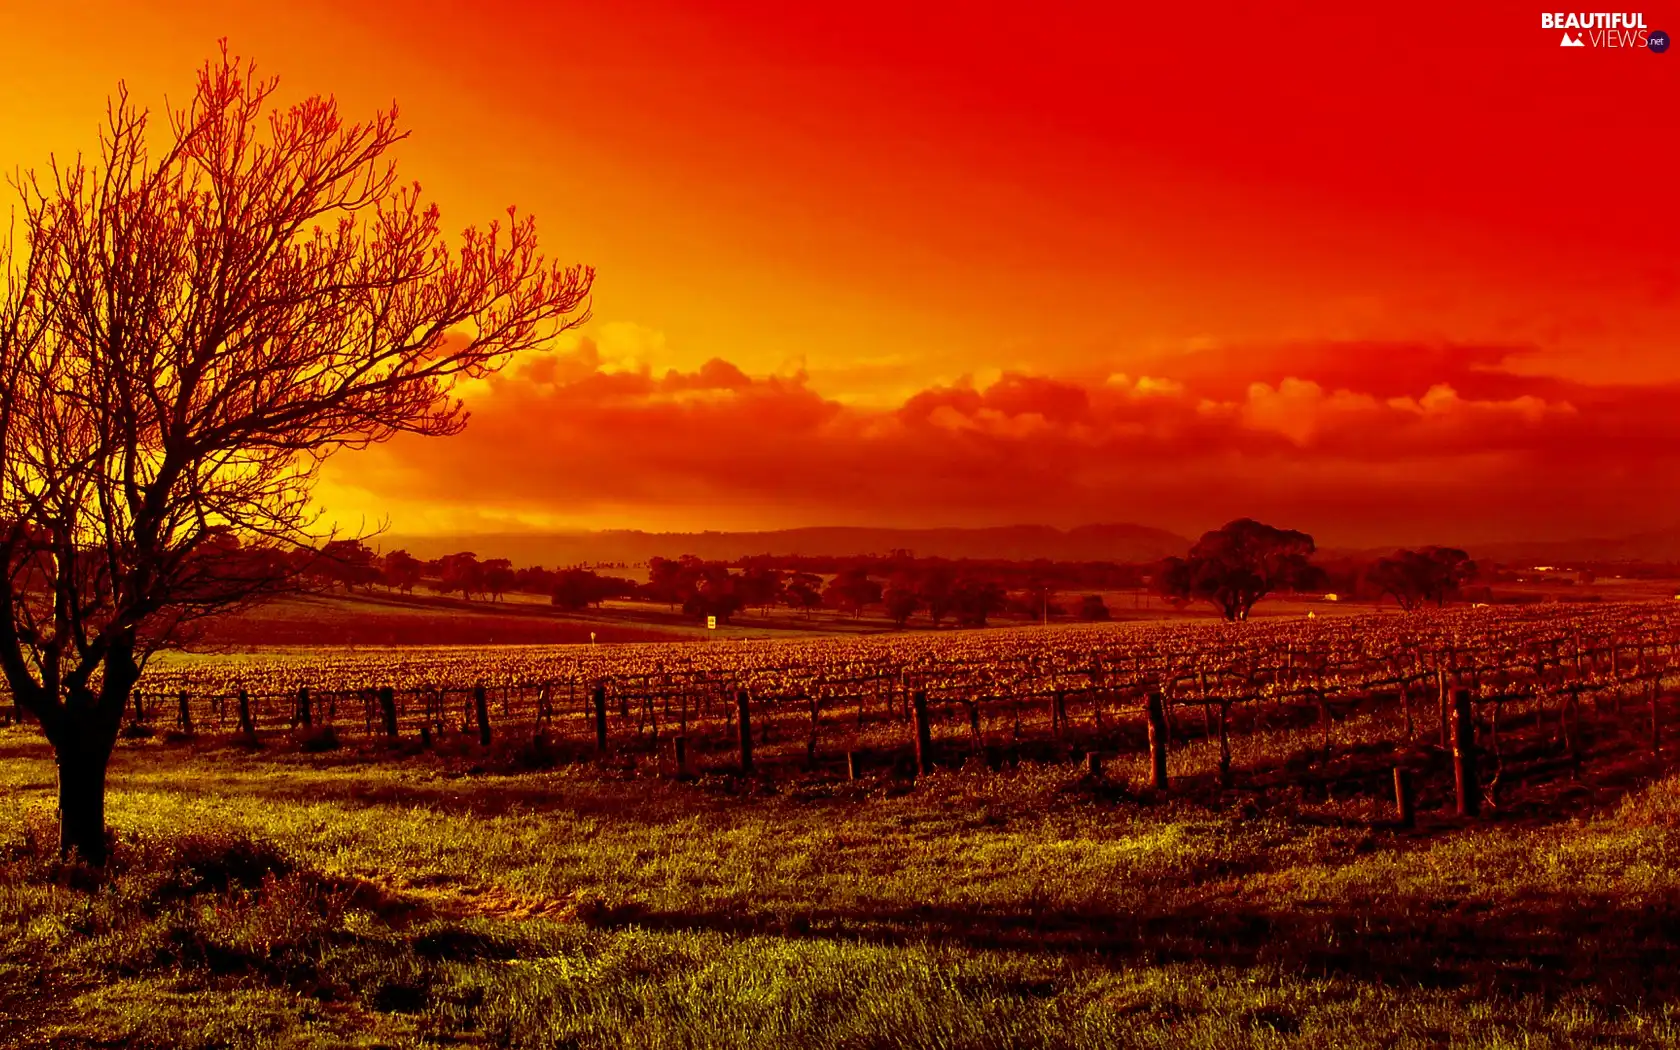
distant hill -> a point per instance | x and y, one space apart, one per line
1109 542
1662 546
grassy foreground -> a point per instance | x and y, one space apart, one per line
282 899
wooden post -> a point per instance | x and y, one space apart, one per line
1058 712
139 708
185 717
246 726
679 755
1224 743
1403 799
388 708
743 716
600 717
811 740
1157 742
924 734
1093 764
1446 723
1464 756
1656 729
481 709
304 716
854 766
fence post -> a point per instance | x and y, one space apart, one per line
1403 801
854 765
1464 756
679 754
924 734
811 741
1157 742
186 714
1446 728
303 716
743 712
1656 730
481 710
1224 743
1093 764
246 726
601 717
388 708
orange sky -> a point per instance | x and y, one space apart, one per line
1397 276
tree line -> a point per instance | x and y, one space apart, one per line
1231 568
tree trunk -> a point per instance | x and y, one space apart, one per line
81 798
82 729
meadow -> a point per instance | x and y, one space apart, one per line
385 893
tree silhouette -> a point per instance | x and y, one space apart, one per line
975 599
499 577
1433 574
935 590
347 562
400 571
191 323
901 603
1235 566
852 591
461 572
803 592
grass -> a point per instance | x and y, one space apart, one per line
280 898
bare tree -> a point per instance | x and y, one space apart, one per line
192 323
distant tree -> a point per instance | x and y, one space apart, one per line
974 599
852 591
1092 608
803 592
1414 578
901 602
461 572
665 581
348 563
760 588
1234 567
713 593
535 579
935 590
499 577
400 571
576 589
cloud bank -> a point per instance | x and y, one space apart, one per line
1364 443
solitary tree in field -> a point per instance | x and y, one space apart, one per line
191 322
1413 578
1233 567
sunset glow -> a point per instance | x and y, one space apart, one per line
1391 276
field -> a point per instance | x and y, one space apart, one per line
290 888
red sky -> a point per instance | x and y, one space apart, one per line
1386 276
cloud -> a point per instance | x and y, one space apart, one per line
1361 441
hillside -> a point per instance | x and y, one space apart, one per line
1103 542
